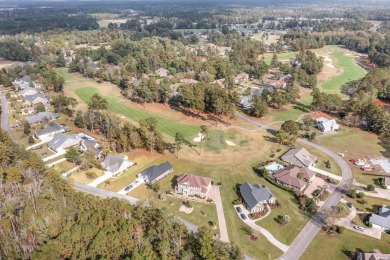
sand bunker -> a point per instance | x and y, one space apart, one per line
185 209
198 139
230 143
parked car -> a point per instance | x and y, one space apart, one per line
128 187
242 215
238 209
359 228
349 204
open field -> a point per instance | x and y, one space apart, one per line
63 167
339 246
81 177
285 56
350 142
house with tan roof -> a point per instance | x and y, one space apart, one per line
299 157
220 82
294 177
189 185
241 78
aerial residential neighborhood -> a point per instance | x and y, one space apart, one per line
195 130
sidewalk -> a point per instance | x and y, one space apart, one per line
331 175
56 162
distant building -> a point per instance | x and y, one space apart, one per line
255 197
50 130
155 173
36 99
162 72
190 184
188 81
326 125
41 117
241 78
245 102
382 219
220 82
299 157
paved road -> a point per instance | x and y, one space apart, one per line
308 233
4 117
215 195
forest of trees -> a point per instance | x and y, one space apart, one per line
43 217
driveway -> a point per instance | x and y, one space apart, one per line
315 184
252 223
215 195
101 179
347 223
134 185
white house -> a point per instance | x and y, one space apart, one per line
50 130
382 219
155 173
189 184
326 125
27 92
36 99
116 164
61 142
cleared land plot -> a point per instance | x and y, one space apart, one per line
63 167
339 246
81 176
355 143
42 150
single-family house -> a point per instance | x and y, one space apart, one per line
294 177
387 182
375 255
188 81
241 78
50 130
326 125
155 173
41 117
220 82
299 157
89 145
256 196
22 83
162 72
245 102
116 164
62 141
27 92
189 184
382 219
36 99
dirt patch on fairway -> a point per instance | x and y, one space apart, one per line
330 69
316 115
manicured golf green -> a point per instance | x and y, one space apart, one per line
165 125
351 70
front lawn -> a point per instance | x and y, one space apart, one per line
340 246
81 176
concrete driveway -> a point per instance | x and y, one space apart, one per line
215 195
134 185
252 223
316 183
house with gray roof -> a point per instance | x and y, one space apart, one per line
41 117
382 219
245 102
255 197
27 92
155 173
89 145
116 164
299 157
35 99
61 142
50 130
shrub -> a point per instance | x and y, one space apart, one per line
362 201
187 204
31 140
237 201
370 187
91 175
340 229
352 193
360 195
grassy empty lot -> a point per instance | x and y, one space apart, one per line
339 246
63 167
81 177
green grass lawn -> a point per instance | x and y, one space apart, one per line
372 205
43 150
339 246
55 159
281 57
165 125
63 167
351 71
322 158
216 141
